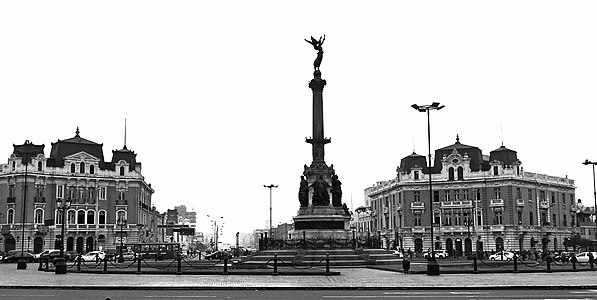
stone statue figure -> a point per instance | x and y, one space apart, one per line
336 191
346 210
317 45
321 197
303 194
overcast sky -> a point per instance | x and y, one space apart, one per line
217 101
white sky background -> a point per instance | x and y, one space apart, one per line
217 101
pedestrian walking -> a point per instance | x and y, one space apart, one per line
405 265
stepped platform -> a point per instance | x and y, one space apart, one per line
306 258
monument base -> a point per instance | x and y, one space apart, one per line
322 222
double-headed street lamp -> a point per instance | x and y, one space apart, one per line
122 223
216 231
587 162
432 266
270 207
61 261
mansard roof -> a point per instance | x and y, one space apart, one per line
407 163
76 144
28 150
474 153
125 154
503 155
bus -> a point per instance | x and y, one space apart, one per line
157 251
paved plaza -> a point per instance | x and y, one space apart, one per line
349 278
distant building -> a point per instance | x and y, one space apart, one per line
479 202
101 193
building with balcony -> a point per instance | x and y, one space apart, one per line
101 193
479 202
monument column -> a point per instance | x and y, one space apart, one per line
318 140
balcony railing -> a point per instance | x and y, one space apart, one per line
418 229
417 205
39 199
495 228
457 204
496 202
519 202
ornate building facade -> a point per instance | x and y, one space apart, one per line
479 202
101 193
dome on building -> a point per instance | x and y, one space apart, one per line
28 150
474 153
76 144
504 155
407 163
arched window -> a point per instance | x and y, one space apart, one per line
496 171
72 168
460 173
58 216
81 217
82 168
102 217
14 165
90 217
416 175
70 217
40 166
121 215
39 216
121 171
91 169
11 216
451 174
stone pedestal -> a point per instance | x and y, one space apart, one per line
322 222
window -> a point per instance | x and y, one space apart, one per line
39 192
72 168
81 217
495 171
121 215
82 193
447 195
121 195
448 220
70 217
563 198
90 217
542 195
11 216
91 169
498 218
14 165
518 193
417 220
460 173
417 196
477 194
520 217
11 191
466 198
530 218
39 216
497 193
82 168
530 195
40 166
554 222
451 174
60 191
102 193
102 217
416 175
435 196
456 195
553 197
564 221
436 218
121 171
71 193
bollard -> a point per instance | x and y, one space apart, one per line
573 263
179 268
106 264
41 264
47 262
79 264
225 264
548 260
276 264
591 260
515 263
139 264
475 271
327 264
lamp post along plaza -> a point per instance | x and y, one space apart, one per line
121 223
432 266
587 162
22 262
61 261
270 207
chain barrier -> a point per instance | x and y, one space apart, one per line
536 265
564 263
261 266
91 267
286 264
121 267
491 266
73 265
159 268
200 268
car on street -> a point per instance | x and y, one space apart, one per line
51 254
93 256
502 255
14 255
583 257
217 255
563 256
438 254
398 253
129 255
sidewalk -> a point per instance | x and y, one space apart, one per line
350 278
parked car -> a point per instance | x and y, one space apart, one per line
129 255
563 256
2 254
398 253
14 255
502 255
438 254
93 256
583 257
52 254
217 255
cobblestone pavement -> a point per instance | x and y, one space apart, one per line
349 278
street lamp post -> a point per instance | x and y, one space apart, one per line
587 162
432 266
270 207
121 222
22 262
216 231
61 261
